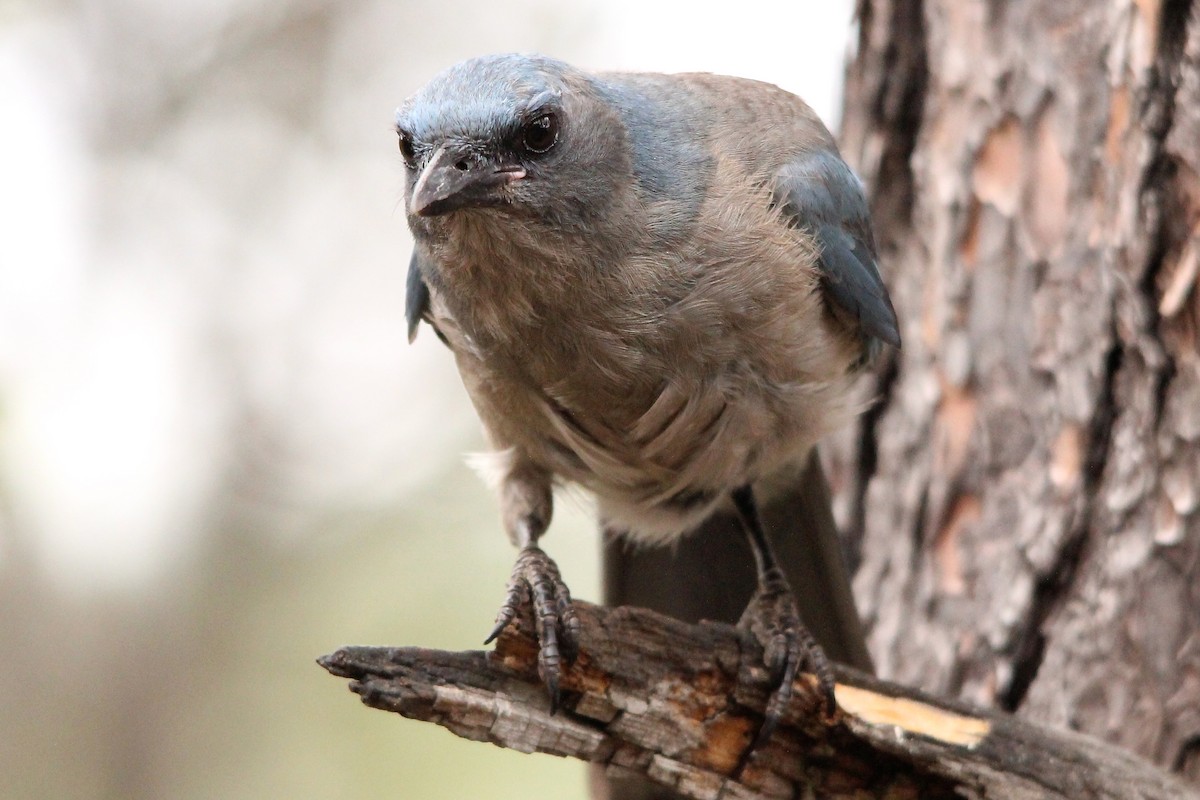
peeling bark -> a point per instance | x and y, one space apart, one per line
678 704
1027 491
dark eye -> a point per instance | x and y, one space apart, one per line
406 149
541 134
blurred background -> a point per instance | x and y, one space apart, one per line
219 457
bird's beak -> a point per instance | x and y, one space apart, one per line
455 179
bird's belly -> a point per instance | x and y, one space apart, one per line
661 470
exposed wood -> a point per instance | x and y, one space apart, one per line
679 703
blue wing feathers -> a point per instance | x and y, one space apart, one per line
416 297
820 194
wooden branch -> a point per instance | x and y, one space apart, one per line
679 703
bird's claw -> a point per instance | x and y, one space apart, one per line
772 616
535 580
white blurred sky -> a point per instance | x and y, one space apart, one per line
200 237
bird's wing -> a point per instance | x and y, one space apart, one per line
820 194
416 297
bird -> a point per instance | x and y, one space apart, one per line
661 288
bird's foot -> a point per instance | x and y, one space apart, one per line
773 618
535 580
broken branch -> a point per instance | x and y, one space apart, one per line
679 703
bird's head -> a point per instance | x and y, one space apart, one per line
519 133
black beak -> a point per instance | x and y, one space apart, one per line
455 179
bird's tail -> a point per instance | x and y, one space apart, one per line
710 574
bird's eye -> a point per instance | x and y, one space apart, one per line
407 151
540 134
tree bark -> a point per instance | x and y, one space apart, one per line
679 704
1025 495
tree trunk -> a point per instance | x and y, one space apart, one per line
1025 495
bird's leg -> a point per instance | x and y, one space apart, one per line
772 616
536 582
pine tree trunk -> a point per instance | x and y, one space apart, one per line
1025 497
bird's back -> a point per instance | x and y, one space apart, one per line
759 125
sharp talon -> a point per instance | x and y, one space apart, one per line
741 765
774 620
555 695
760 739
764 734
830 705
536 583
496 631
826 684
515 594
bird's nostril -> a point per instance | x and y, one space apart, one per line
461 165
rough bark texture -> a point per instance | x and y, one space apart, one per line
679 703
1026 496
